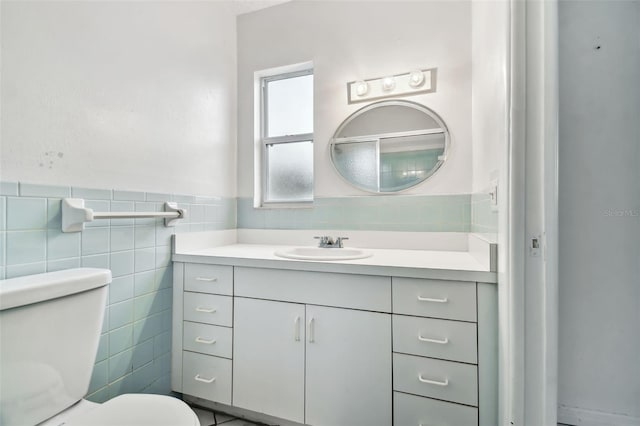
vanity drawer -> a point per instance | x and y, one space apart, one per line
450 381
207 377
205 278
366 292
411 410
208 308
435 338
433 298
207 339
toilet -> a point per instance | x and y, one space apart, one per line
49 332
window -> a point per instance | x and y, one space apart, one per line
287 137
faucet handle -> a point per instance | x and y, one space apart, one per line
324 240
339 241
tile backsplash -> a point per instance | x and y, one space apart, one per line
134 351
484 220
437 213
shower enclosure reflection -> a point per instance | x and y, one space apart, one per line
389 146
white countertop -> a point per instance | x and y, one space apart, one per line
451 265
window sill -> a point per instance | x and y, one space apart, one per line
276 205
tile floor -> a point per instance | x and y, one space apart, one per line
206 419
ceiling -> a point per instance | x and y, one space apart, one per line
246 6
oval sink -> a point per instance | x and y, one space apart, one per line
319 253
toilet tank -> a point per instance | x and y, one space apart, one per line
50 327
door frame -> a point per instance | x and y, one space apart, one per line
528 296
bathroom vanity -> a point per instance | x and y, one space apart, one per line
387 340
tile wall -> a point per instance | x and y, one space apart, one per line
134 352
405 169
438 213
484 220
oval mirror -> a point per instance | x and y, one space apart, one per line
389 146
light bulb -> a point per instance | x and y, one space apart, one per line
416 78
388 84
361 88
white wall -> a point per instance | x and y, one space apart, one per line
599 288
490 32
130 95
349 41
489 115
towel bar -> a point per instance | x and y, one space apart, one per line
75 214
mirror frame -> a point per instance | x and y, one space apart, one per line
393 102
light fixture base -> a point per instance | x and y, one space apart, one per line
400 85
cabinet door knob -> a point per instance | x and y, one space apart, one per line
433 382
203 380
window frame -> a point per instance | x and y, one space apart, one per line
267 141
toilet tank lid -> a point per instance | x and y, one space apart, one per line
30 289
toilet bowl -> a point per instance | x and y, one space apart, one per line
51 327
128 410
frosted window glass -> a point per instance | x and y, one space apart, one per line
290 171
358 162
290 106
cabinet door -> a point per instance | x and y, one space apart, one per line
268 357
348 367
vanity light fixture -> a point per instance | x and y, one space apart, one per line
399 85
362 87
388 84
416 78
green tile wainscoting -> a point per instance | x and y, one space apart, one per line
428 213
484 220
135 344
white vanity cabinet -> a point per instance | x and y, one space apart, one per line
348 367
269 357
444 352
336 348
347 360
319 365
202 334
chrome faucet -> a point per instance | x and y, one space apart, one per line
330 242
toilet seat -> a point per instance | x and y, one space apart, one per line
138 410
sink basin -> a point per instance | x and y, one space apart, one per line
319 253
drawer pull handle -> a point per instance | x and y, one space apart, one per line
203 380
433 382
438 341
212 279
205 341
205 310
429 299
296 329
